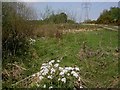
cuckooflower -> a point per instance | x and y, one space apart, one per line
41 77
44 64
74 74
50 87
50 77
58 61
56 65
45 71
58 79
44 86
65 71
43 67
60 68
79 79
33 75
52 61
68 74
63 80
61 73
37 85
77 69
69 68
52 70
38 74
81 87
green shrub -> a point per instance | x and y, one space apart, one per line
16 28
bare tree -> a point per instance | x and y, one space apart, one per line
16 26
46 13
71 15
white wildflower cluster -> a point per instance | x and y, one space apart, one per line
52 69
47 70
69 71
32 41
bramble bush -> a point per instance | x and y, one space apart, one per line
16 28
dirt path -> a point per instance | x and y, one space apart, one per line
79 30
109 28
87 29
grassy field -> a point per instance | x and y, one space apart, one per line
97 71
94 52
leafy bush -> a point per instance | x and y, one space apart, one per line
110 16
16 28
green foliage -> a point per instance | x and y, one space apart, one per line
16 28
56 19
109 16
101 68
70 21
59 18
90 21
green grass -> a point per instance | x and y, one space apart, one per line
95 72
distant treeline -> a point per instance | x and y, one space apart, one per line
111 16
55 19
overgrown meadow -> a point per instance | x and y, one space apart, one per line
60 55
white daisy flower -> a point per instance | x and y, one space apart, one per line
32 41
38 74
58 79
33 75
65 71
41 77
77 69
50 77
52 70
41 71
45 71
61 73
44 86
37 85
69 68
43 67
44 64
73 72
56 65
81 87
58 61
63 80
52 61
68 74
50 87
75 75
79 79
60 68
